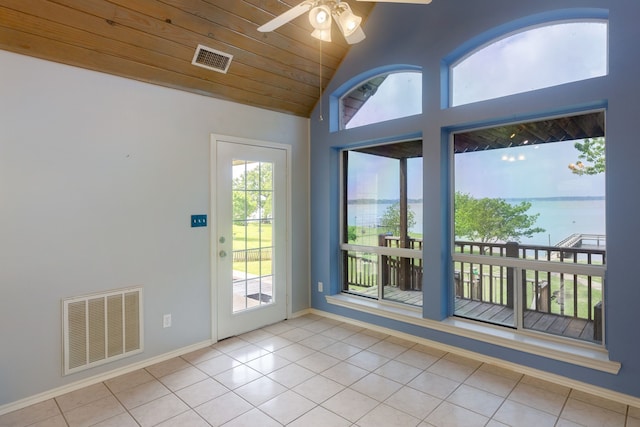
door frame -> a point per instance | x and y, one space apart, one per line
213 227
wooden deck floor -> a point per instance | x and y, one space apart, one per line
392 293
499 314
544 322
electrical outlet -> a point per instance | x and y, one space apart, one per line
166 321
320 287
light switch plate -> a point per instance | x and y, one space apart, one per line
198 220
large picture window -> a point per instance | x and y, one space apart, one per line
382 222
528 237
529 225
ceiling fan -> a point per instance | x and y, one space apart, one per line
321 13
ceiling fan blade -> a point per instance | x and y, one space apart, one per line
289 15
400 1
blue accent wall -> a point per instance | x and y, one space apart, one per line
429 37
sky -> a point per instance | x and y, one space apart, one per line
528 171
535 58
376 177
400 95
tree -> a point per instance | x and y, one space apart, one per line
351 233
592 151
252 193
493 220
391 218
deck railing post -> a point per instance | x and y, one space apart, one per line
512 249
384 262
597 321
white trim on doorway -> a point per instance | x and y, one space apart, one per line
214 139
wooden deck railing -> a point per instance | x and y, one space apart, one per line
565 294
568 295
361 271
401 272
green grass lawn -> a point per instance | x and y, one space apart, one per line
253 236
368 236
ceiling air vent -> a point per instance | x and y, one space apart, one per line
212 59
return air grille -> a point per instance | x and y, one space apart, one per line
212 59
101 328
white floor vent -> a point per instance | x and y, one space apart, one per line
101 328
211 59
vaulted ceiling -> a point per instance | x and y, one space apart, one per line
154 41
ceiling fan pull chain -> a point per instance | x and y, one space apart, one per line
320 84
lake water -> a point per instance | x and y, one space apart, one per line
559 218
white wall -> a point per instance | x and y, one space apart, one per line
98 178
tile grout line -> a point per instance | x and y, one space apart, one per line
564 404
64 417
319 342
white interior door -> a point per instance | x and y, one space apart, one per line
250 236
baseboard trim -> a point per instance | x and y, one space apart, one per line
565 350
525 370
301 313
67 388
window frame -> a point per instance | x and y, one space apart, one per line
509 29
379 251
365 79
519 265
578 353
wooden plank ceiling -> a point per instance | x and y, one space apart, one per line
566 128
154 41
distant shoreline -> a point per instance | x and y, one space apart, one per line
508 199
554 199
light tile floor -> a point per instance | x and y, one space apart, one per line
312 371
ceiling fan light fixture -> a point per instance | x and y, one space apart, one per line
320 17
346 20
324 35
356 36
321 13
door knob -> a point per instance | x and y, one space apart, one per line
222 254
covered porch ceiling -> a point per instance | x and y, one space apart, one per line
565 128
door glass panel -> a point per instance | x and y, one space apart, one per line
252 234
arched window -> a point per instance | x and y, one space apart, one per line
384 97
533 58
